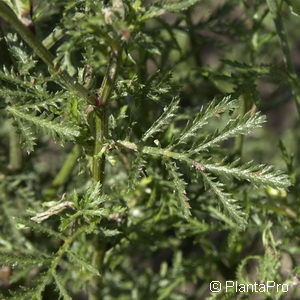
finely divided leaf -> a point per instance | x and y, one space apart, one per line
47 123
235 127
214 109
44 102
83 263
175 6
7 259
167 6
92 198
163 120
179 188
27 137
135 172
39 228
256 174
60 286
231 209
10 77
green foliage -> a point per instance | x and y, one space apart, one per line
167 6
139 152
162 121
214 109
48 123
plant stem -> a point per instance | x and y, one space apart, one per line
9 16
155 151
101 124
98 163
64 172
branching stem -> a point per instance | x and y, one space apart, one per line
101 124
98 163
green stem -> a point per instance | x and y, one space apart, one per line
9 16
276 12
98 163
101 124
64 172
155 151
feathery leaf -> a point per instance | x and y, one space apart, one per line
235 127
7 259
27 137
231 209
167 6
39 228
46 123
214 109
179 188
256 174
60 286
82 263
163 120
